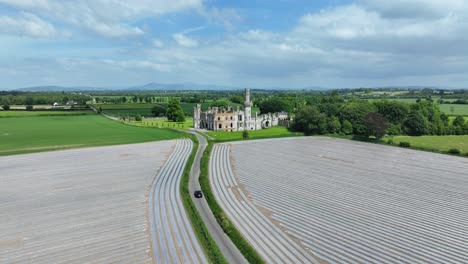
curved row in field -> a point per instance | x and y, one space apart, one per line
268 239
173 239
78 206
352 202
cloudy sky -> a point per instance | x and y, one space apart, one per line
244 43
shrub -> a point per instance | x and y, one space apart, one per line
454 151
245 134
6 107
29 107
138 117
405 144
390 141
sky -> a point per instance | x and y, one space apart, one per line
242 43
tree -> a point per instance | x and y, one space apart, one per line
334 125
459 121
29 108
376 125
416 124
219 103
174 111
347 127
245 134
356 112
310 121
6 107
274 105
158 110
138 117
395 112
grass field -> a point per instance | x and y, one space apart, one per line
437 143
458 109
33 134
43 113
164 123
451 118
256 134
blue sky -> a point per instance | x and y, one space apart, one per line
289 44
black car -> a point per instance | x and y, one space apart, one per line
198 194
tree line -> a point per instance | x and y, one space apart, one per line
332 114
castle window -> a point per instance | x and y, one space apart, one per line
231 124
231 117
220 126
219 118
240 117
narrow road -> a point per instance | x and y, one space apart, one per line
173 238
228 249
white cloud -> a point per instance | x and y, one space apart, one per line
157 43
108 18
184 41
27 24
415 8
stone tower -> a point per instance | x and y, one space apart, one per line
196 116
247 110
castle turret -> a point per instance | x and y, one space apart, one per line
196 116
247 109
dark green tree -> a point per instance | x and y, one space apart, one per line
416 124
347 128
310 121
356 112
245 134
6 107
376 125
219 103
174 111
159 110
274 105
459 121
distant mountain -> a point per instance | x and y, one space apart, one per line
180 86
193 86
146 87
58 89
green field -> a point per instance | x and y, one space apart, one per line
458 109
256 134
436 143
451 118
163 123
43 113
33 134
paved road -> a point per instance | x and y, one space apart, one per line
229 250
172 235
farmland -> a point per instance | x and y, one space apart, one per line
32 134
309 199
455 109
43 113
438 143
79 206
278 131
